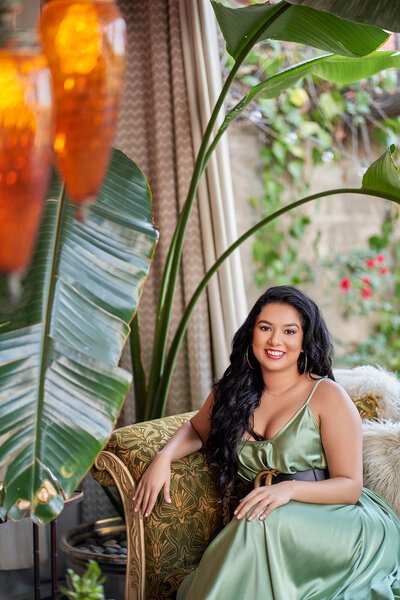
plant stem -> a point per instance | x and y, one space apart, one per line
139 376
173 260
162 392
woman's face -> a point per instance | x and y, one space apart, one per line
278 337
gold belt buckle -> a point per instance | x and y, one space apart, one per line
268 477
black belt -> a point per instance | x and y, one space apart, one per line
273 476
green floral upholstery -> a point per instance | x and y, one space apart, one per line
176 534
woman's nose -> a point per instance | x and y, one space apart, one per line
274 337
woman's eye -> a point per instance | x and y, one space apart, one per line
290 331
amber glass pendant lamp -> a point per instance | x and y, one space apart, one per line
85 44
60 99
26 134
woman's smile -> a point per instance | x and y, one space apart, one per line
274 354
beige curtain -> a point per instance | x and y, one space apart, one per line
227 300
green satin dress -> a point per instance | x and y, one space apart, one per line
301 551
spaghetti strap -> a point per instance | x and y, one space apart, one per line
313 390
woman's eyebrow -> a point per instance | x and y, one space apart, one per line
286 325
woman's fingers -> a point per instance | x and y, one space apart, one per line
146 496
145 503
248 502
156 477
244 501
264 506
150 503
268 510
257 509
167 496
153 498
138 497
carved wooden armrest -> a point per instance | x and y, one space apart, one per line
135 560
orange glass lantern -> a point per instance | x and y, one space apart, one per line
26 133
85 43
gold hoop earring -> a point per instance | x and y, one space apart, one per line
247 359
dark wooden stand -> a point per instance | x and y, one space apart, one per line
76 497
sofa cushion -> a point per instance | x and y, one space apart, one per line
364 380
381 459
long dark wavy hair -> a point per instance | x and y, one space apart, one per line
237 394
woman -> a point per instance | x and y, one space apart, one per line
315 533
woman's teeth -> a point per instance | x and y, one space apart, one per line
274 353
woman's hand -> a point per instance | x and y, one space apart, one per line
266 497
156 476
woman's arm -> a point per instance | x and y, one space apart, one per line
341 435
187 439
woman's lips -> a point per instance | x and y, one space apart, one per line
274 354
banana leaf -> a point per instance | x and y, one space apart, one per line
61 388
337 69
296 24
383 175
382 13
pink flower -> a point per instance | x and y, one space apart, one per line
366 292
345 284
370 263
366 279
384 270
380 258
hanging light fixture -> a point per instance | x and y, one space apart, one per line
25 142
85 44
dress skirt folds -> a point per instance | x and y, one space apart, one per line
301 551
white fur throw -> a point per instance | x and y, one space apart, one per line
384 385
381 458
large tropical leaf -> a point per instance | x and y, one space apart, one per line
381 13
60 385
383 175
337 69
295 24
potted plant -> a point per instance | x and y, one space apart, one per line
102 543
87 587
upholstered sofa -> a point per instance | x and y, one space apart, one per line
169 544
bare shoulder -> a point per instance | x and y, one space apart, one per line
331 398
